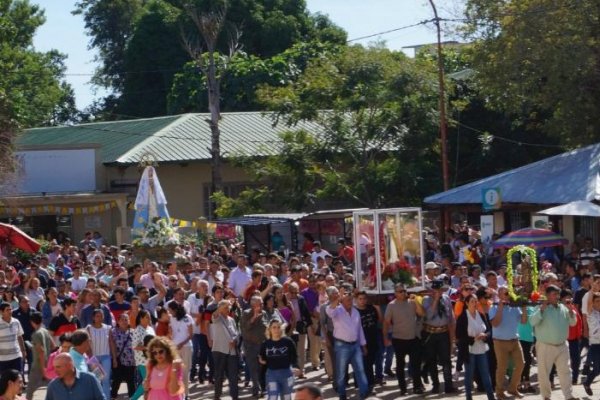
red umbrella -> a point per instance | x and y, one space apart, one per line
17 238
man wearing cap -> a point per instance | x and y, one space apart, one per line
431 271
318 251
505 322
551 321
438 335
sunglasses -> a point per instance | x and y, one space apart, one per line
157 352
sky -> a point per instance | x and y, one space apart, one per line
65 32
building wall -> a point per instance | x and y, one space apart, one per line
105 223
183 184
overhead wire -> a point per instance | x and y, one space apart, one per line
509 140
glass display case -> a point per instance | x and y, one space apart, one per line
388 246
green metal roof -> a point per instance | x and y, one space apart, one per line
176 138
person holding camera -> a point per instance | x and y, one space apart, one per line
438 335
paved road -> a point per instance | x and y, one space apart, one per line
386 392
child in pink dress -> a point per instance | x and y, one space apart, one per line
165 376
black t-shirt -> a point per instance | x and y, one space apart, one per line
280 354
60 324
24 318
369 321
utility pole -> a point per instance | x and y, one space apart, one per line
443 125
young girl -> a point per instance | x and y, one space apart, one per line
278 353
165 376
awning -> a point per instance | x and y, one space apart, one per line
251 221
278 218
575 208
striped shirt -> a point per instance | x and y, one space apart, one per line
9 339
99 338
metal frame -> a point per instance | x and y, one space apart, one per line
375 215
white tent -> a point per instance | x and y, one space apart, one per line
575 208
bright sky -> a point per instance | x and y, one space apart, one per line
65 32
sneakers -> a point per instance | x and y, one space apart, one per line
588 389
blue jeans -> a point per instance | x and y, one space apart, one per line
346 354
106 362
479 362
280 384
201 356
195 354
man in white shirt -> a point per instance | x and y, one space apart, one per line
240 276
78 282
318 252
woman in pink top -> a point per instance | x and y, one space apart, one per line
65 346
165 377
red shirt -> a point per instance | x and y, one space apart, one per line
250 290
575 331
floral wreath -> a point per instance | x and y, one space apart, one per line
528 251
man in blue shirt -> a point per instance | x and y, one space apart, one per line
72 384
505 323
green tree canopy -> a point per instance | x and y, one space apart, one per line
141 47
31 86
242 78
375 143
538 60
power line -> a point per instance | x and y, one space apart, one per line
424 22
509 140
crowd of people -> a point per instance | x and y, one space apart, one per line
84 319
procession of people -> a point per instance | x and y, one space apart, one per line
84 318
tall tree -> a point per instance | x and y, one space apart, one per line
539 60
32 92
202 47
373 147
31 82
140 47
110 25
243 77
